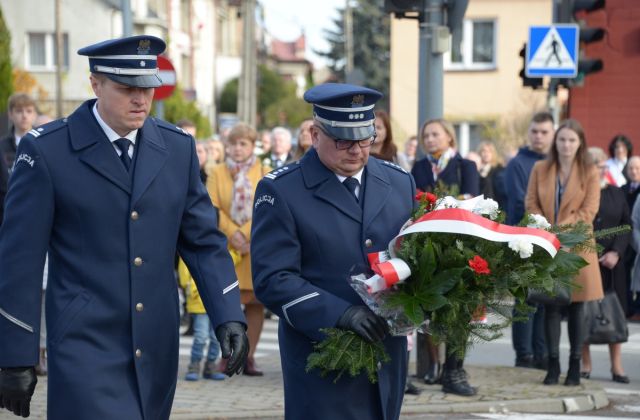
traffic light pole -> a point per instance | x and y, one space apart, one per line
430 90
552 101
430 106
552 96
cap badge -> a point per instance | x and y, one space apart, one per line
142 64
144 46
358 100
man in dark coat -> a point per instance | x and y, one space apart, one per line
110 194
313 221
528 336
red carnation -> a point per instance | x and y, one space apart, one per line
479 265
426 197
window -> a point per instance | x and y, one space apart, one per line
470 134
41 51
476 49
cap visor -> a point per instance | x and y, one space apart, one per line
147 81
350 133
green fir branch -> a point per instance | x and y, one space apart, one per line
346 352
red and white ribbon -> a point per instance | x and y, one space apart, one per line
391 270
465 222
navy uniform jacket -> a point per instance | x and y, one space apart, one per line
307 233
459 171
112 304
4 175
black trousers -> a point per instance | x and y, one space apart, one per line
576 326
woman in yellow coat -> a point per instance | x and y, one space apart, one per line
231 185
565 188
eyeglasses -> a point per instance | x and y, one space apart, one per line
348 144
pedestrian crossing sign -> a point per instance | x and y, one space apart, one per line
552 51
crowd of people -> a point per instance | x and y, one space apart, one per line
249 218
552 160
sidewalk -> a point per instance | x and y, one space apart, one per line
500 389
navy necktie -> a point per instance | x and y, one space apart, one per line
123 145
351 184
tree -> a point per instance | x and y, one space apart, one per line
6 80
288 110
176 107
277 100
371 45
25 82
229 97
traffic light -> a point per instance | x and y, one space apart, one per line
532 82
573 11
400 7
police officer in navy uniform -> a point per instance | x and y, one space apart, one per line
110 193
314 220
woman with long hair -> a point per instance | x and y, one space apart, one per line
304 140
384 148
491 167
231 186
565 188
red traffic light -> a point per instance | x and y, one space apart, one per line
587 5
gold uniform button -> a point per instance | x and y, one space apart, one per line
368 243
134 215
139 307
138 353
137 261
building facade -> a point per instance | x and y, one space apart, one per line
203 44
607 103
483 94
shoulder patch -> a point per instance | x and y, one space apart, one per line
171 127
394 166
278 173
48 128
26 158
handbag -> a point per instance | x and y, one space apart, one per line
606 320
560 296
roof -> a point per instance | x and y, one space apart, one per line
289 51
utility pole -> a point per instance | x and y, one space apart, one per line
247 86
59 59
348 43
127 20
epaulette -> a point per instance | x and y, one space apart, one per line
48 128
280 172
394 166
171 127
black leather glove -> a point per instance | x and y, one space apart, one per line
363 322
16 388
234 345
